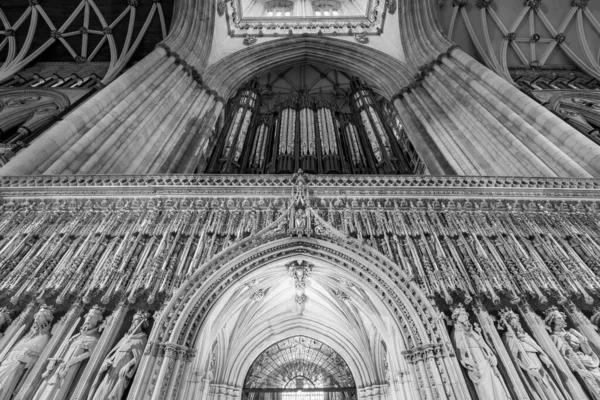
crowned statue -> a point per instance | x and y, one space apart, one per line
534 366
122 361
63 368
17 359
576 350
477 358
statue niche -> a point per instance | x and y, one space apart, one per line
576 350
535 368
476 356
63 368
122 361
18 359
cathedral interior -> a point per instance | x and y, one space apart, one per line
299 199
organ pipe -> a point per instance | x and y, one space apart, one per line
313 134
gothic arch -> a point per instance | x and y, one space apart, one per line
422 363
387 74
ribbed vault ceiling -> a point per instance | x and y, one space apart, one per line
267 331
507 33
101 13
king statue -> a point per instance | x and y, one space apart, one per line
122 361
576 350
537 371
63 368
21 357
477 357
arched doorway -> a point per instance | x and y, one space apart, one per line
299 368
306 279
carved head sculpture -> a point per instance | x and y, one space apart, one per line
460 316
512 320
92 319
555 320
5 319
141 319
42 319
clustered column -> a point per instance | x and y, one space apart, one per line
466 120
158 117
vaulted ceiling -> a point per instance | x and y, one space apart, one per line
536 33
116 32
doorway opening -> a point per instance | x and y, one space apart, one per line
299 368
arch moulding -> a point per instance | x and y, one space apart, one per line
426 369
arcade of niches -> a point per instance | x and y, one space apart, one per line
299 200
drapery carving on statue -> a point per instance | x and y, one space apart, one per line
122 361
63 368
576 350
477 357
535 368
18 359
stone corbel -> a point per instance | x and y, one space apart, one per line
514 383
61 333
540 334
106 342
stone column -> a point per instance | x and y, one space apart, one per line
428 151
540 334
165 373
139 387
18 326
562 134
205 389
416 364
186 369
61 333
181 366
512 379
105 344
49 146
204 144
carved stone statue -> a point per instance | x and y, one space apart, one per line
122 361
63 368
576 351
15 362
477 357
535 367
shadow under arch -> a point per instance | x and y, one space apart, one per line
421 330
386 74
